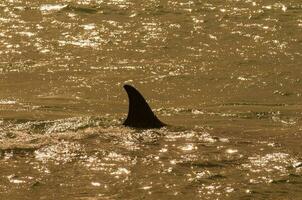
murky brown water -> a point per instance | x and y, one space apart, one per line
225 74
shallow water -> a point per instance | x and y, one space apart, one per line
225 75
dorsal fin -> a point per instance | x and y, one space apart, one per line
140 114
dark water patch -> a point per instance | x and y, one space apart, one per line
17 152
294 179
205 164
280 181
81 9
217 177
254 104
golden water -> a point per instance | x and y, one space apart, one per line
226 75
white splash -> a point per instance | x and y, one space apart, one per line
7 102
96 184
52 7
188 147
231 151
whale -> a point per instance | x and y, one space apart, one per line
140 115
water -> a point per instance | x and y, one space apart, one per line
225 75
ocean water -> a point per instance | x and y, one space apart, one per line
225 75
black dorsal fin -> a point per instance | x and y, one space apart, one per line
140 114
